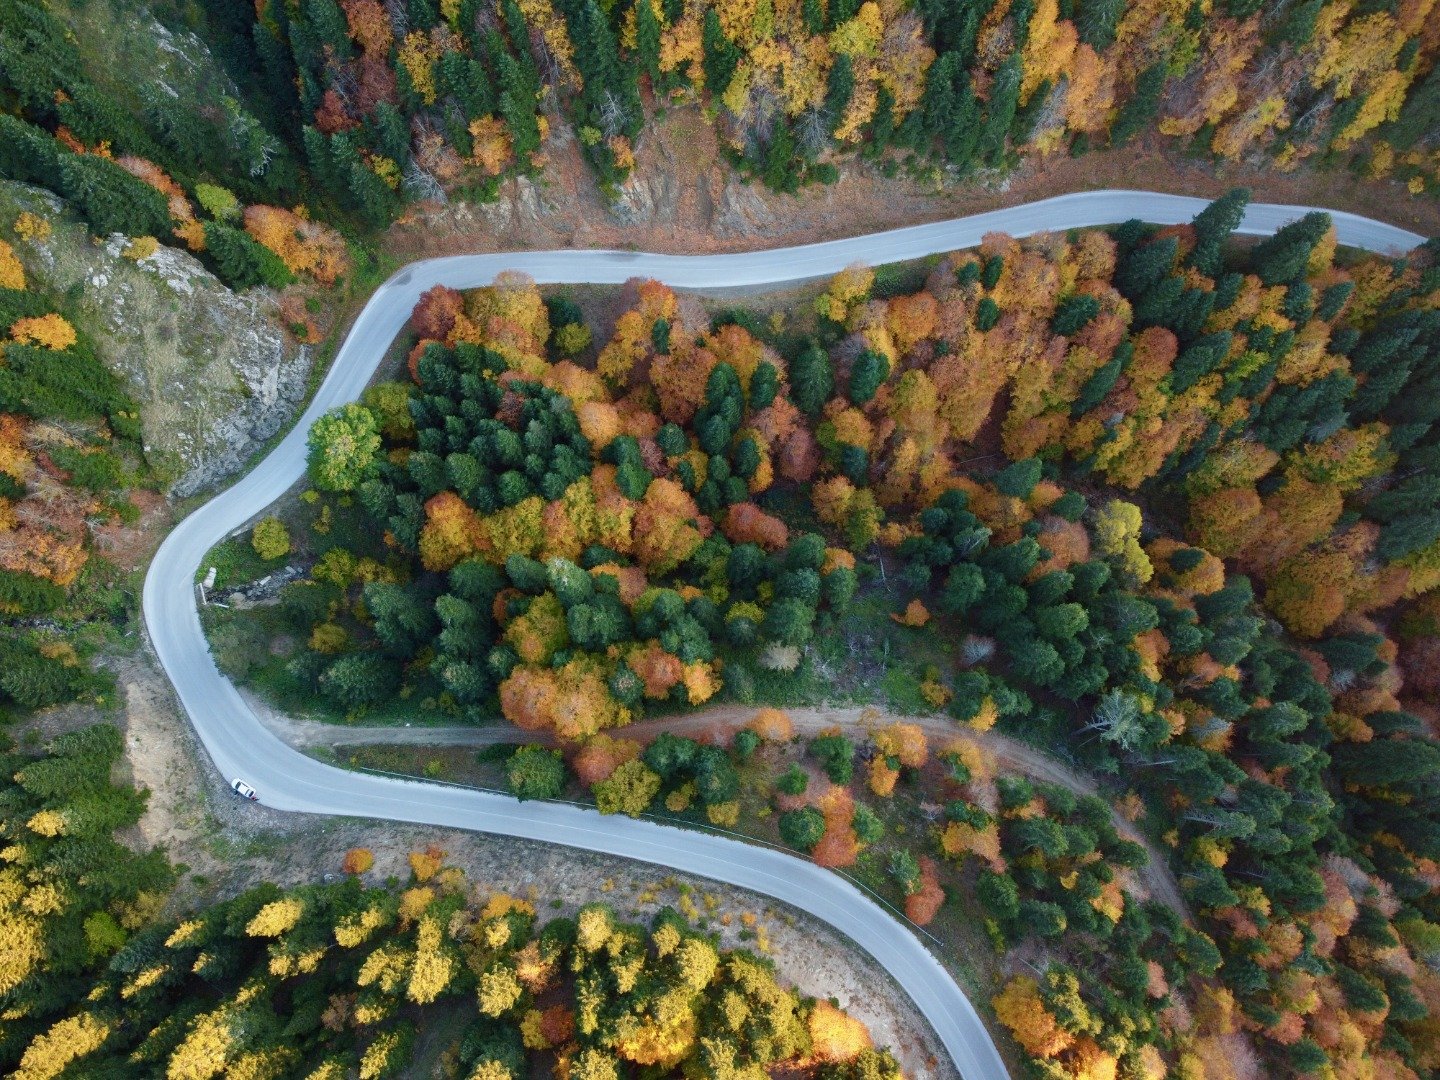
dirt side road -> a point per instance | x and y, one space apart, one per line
721 721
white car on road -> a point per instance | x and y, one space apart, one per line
244 790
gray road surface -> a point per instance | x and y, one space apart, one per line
241 746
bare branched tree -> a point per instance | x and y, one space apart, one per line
420 185
757 119
545 61
1118 719
612 114
399 14
814 128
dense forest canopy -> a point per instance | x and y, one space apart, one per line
796 84
69 452
1209 564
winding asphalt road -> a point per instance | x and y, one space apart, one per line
241 746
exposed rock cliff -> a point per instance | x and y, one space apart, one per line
214 374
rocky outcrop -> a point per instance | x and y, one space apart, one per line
742 210
214 374
647 197
519 205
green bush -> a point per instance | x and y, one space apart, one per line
36 679
93 469
270 539
534 772
803 828
793 781
27 594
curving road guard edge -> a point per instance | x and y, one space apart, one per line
240 745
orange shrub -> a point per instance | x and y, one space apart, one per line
658 670
922 906
50 331
916 614
903 741
15 460
435 312
835 1036
882 778
839 846
960 839
493 151
746 523
451 532
304 246
572 701
1020 1008
772 725
426 864
601 756
12 274
357 861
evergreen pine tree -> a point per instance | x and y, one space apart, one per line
1146 266
811 380
328 23
110 199
466 80
240 261
1299 25
517 99
1143 106
721 55
317 151
367 192
1000 113
1282 257
1096 21
963 135
647 39
939 104
392 133
1213 227
27 153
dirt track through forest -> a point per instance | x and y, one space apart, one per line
718 722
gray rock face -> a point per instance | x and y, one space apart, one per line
520 203
648 197
216 377
211 369
741 210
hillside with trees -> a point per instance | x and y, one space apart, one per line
342 112
1200 558
69 459
424 93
